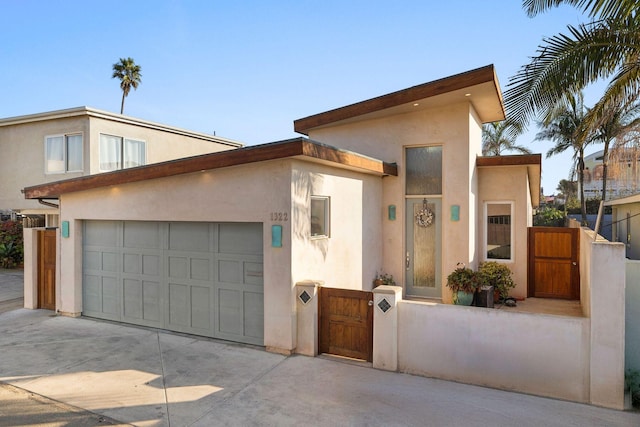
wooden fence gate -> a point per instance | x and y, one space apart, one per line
346 323
553 269
47 269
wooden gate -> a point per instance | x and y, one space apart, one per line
346 323
553 270
47 269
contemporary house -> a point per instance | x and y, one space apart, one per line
270 244
75 142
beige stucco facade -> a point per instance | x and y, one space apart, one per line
22 140
236 195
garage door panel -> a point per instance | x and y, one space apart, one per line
200 269
110 296
253 314
253 273
151 265
92 288
141 235
92 260
189 236
230 313
141 302
131 263
201 307
101 233
110 262
178 305
240 238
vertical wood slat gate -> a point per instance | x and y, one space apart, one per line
553 270
346 323
47 269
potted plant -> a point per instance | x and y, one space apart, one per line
383 279
498 275
463 282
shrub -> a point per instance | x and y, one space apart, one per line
492 273
11 244
549 217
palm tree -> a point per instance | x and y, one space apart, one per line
497 138
564 125
130 77
613 122
608 46
568 189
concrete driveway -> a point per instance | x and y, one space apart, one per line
152 378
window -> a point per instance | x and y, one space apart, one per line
424 170
63 153
499 231
117 153
319 216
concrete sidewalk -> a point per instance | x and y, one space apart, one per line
152 378
11 289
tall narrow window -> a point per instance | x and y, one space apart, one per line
134 153
499 231
319 216
110 153
63 153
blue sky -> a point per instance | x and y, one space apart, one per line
246 69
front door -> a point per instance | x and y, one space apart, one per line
47 269
423 221
422 263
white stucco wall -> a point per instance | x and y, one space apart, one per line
457 129
508 184
532 353
351 255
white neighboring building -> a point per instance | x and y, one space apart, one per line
622 176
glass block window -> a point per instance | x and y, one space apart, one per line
424 170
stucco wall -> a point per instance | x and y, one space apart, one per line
508 184
531 353
160 145
350 257
22 159
248 193
457 129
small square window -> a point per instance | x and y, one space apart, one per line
319 216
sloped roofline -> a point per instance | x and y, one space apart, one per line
107 115
302 148
485 76
533 162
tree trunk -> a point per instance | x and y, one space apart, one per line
605 165
122 103
583 203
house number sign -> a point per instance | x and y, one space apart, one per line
425 216
279 216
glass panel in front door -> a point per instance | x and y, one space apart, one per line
424 229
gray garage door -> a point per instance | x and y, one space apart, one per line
198 278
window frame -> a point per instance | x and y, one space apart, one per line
485 248
65 153
122 160
326 225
